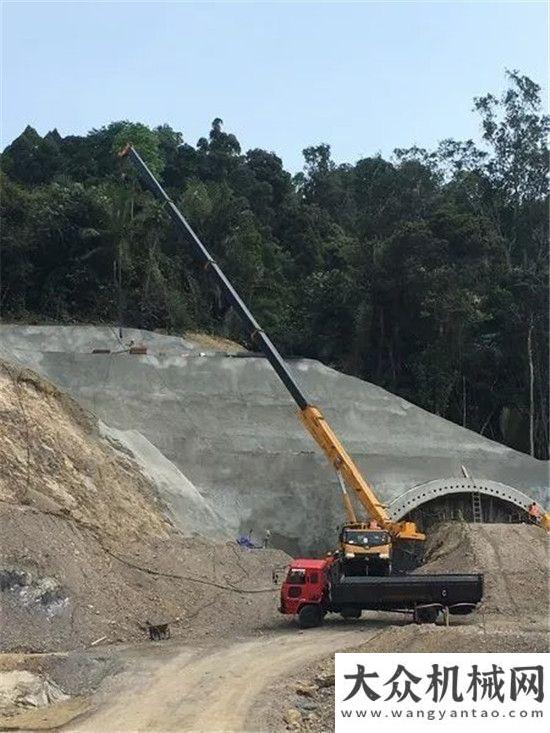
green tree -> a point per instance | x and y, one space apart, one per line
31 159
426 274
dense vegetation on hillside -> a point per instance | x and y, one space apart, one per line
426 274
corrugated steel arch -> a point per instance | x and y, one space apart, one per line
422 493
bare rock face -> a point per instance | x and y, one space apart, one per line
19 688
228 427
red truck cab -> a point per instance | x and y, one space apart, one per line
305 588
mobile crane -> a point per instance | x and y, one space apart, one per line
366 547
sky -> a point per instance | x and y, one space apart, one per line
365 77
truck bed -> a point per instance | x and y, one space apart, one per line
405 592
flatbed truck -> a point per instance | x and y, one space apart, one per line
314 587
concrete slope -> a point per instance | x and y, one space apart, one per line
229 426
187 509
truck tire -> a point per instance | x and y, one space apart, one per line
350 613
310 616
426 615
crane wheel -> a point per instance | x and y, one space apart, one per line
310 616
350 613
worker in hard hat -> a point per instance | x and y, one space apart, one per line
535 513
267 538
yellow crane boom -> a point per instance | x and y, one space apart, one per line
325 437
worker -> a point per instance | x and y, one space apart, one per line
535 513
267 538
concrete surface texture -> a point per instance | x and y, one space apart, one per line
228 425
183 503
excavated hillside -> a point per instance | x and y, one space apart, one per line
100 532
88 551
197 410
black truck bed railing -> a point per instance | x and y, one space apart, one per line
458 591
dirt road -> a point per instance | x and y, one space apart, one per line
211 690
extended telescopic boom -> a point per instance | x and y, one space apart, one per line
208 262
310 415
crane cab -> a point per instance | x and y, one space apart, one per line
365 550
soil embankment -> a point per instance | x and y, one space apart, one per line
512 557
87 553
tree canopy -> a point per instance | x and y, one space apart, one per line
426 274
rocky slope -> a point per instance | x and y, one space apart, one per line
88 553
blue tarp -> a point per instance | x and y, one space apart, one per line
246 541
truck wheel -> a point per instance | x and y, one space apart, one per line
426 615
310 616
349 613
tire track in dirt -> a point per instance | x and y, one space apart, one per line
212 690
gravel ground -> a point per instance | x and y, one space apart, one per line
306 701
70 587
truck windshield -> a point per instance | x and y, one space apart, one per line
296 576
370 538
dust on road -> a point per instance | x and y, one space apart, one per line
211 689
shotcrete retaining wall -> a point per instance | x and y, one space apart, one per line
229 426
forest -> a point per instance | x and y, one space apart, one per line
426 274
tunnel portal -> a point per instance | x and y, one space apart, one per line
454 499
461 499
